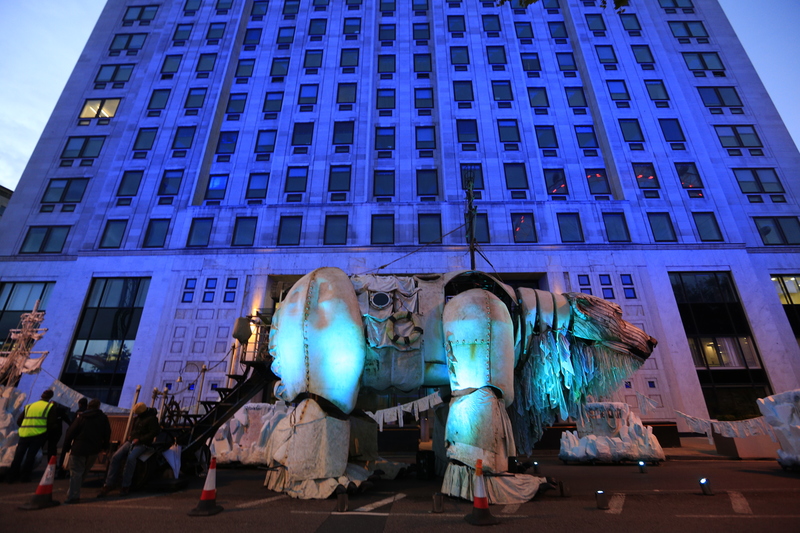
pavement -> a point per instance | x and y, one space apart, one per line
748 496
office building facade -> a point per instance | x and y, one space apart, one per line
206 153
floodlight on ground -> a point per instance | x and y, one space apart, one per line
705 486
536 467
602 500
642 467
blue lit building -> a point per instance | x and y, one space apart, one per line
206 153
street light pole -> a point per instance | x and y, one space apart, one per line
469 176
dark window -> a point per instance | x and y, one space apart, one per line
459 55
538 97
425 137
530 61
642 53
575 96
265 141
257 185
422 63
335 229
467 131
113 234
215 30
720 96
343 132
171 64
83 147
387 32
205 63
382 229
474 172
566 61
44 240
114 73
184 135
273 102
312 59
317 26
569 226
127 41
129 185
558 30
689 175
707 227
158 99
598 181
618 90
555 181
595 22
758 180
586 137
307 94
456 23
631 131
524 30
522 227
605 53
671 129
661 226
616 227
303 133
227 142
421 31
462 91
339 180
383 183
516 176
244 231
145 138
430 228
156 234
252 36
481 228
346 93
195 98
645 175
289 230
200 232
546 137
352 26
496 55
236 103
279 67
296 179
348 57
285 35
703 61
501 90
423 97
427 182
630 22
656 89
386 64
778 230
140 13
508 131
71 190
384 138
170 183
691 28
738 136
491 23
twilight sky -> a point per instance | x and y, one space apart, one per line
41 40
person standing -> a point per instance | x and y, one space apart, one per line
86 437
33 424
144 431
62 469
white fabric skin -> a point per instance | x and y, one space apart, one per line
459 481
782 412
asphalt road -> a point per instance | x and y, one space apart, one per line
749 496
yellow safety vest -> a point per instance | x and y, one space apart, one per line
35 421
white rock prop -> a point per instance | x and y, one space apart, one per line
782 412
610 433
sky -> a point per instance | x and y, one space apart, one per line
41 40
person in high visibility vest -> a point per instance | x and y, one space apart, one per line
33 425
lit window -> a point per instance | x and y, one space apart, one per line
101 108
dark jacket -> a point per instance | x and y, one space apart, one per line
89 434
146 427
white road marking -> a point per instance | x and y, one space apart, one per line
153 507
509 509
432 515
615 503
739 503
737 516
259 502
380 503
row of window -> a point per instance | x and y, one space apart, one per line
51 239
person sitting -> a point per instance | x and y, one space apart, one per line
144 431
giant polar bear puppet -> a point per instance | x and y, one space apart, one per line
514 360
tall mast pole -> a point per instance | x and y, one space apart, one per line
471 211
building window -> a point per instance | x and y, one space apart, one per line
425 137
217 184
501 90
423 98
171 65
618 90
343 132
508 131
131 42
586 137
427 182
382 229
671 129
595 22
312 59
195 98
462 91
289 230
339 180
348 57
605 53
285 35
491 23
346 93
215 31
645 176
335 229
703 61
569 226
384 138
105 337
546 137
707 227
555 181
422 63
662 228
778 230
691 28
291 7
459 55
530 62
558 30
100 108
566 61
630 22
140 14
387 32
307 94
67 190
456 24
480 228
114 74
252 36
467 131
236 103
303 133
522 227
113 234
789 294
156 234
265 141
227 142
616 227
296 179
656 89
758 180
352 26
642 53
158 99
575 96
83 147
244 68
496 55
383 183
524 30
472 172
273 102
244 231
689 175
420 31
386 64
537 96
719 96
129 185
170 183
200 232
430 228
738 136
598 181
675 4
257 186
44 240
516 176
145 139
631 131
184 135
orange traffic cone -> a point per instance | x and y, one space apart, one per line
44 492
208 499
480 516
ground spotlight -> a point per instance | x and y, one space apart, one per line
536 467
642 467
705 486
602 500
